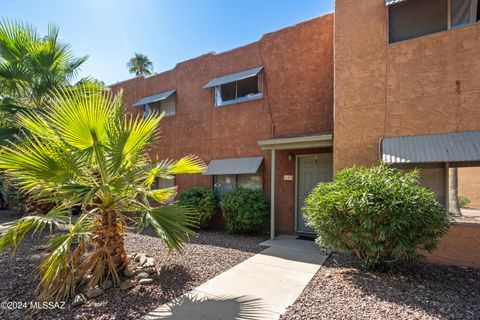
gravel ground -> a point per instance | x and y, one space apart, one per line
412 291
209 254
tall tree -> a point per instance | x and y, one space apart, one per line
140 65
82 153
30 67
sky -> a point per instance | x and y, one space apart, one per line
167 31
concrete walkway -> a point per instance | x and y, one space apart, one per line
261 287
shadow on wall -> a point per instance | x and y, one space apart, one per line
198 306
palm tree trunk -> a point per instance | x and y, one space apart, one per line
109 235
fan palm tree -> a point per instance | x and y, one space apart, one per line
140 65
30 67
82 153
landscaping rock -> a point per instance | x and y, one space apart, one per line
128 272
94 293
149 270
180 272
78 300
138 256
107 284
145 281
142 275
150 262
143 260
127 284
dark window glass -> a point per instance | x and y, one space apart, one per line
247 87
415 18
229 91
464 12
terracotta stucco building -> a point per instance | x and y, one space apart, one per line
337 90
293 98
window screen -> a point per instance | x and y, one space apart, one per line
247 87
167 106
250 181
241 89
463 12
414 18
223 183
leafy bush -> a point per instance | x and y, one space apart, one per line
245 210
463 201
200 199
376 213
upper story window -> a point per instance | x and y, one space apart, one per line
160 102
237 87
166 105
414 18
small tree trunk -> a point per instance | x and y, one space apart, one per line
453 205
109 234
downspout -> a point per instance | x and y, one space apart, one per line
265 90
272 197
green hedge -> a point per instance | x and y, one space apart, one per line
376 213
202 200
245 210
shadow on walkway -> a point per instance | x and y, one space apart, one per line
200 306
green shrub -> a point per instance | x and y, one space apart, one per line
376 213
245 210
202 200
463 201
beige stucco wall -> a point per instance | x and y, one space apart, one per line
419 86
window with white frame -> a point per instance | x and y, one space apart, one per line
240 90
167 105
414 18
224 183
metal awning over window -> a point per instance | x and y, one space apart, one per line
234 166
154 98
448 147
233 77
390 2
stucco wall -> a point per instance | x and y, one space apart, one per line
419 86
298 100
459 247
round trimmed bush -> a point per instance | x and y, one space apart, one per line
202 200
245 210
377 214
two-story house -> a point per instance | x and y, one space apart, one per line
391 80
261 108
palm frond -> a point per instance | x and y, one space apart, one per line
162 195
13 236
172 223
